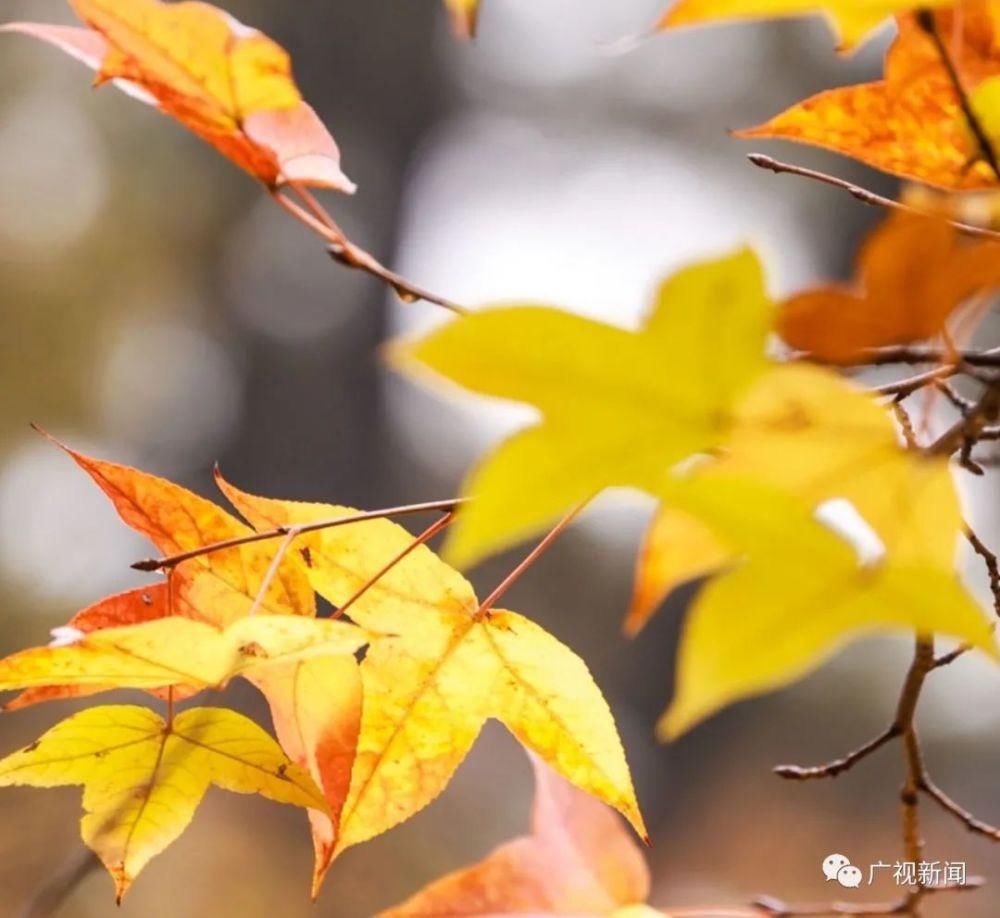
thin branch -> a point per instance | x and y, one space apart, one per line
346 252
775 908
529 560
837 766
992 564
862 194
170 561
919 354
961 404
421 539
946 659
906 387
977 826
62 885
923 663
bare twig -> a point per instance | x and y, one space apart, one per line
346 252
906 387
992 564
62 885
970 822
946 659
837 766
775 908
165 563
862 194
921 354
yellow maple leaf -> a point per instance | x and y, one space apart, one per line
429 688
851 20
619 407
144 778
798 593
178 651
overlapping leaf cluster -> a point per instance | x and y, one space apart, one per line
363 745
773 475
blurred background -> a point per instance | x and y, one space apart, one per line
158 310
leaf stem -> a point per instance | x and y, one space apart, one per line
421 539
529 560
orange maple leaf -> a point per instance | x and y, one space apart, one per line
229 84
578 860
913 272
910 123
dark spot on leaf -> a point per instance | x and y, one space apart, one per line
33 746
306 556
252 649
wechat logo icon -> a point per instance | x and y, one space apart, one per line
838 867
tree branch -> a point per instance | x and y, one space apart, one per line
862 194
170 561
837 766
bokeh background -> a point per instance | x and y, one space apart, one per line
158 310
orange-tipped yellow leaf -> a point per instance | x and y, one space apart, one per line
143 778
316 707
177 520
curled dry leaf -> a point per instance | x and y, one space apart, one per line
429 688
227 83
143 778
578 860
910 123
913 273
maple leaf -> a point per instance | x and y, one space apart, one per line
221 586
229 84
913 272
851 20
144 778
576 861
619 407
910 123
178 651
316 707
129 608
798 599
448 667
